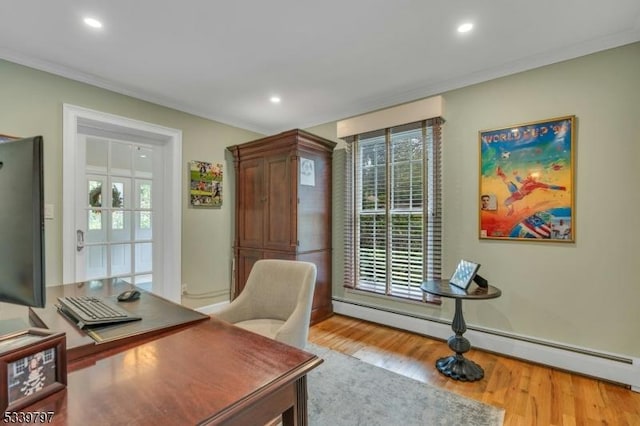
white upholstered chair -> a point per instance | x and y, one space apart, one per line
276 301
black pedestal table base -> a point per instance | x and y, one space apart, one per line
457 366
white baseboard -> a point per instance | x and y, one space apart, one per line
611 367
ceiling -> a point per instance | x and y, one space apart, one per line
327 60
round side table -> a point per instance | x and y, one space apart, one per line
457 366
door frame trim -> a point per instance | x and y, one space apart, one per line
171 264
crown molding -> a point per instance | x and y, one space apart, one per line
358 107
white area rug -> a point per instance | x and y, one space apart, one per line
344 391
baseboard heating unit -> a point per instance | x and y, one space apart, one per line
606 366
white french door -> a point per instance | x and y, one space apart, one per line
116 209
121 201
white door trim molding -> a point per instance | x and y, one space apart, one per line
172 206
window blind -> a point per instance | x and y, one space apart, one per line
392 196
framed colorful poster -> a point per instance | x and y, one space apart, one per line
205 184
527 181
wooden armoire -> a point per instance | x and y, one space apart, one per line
283 207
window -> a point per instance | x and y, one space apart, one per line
393 234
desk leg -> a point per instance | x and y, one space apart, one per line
301 401
298 414
457 366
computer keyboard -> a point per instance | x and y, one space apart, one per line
89 310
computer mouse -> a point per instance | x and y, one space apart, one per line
129 296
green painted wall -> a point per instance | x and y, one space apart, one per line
584 294
32 104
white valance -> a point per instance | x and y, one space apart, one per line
394 116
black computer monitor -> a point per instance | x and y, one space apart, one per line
22 269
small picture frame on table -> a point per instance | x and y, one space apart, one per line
33 365
464 274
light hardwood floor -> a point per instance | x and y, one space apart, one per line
531 394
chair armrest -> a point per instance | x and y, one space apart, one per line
295 330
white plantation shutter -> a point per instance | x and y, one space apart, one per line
392 237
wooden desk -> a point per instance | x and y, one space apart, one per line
176 367
457 366
159 317
210 373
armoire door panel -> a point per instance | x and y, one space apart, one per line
278 232
251 201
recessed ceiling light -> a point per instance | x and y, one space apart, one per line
465 28
93 23
275 99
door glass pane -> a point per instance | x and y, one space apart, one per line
96 229
143 162
117 195
97 154
117 220
120 193
94 220
143 194
94 192
120 229
120 259
143 226
121 159
144 258
96 261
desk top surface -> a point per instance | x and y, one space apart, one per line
159 316
182 367
445 289
202 373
